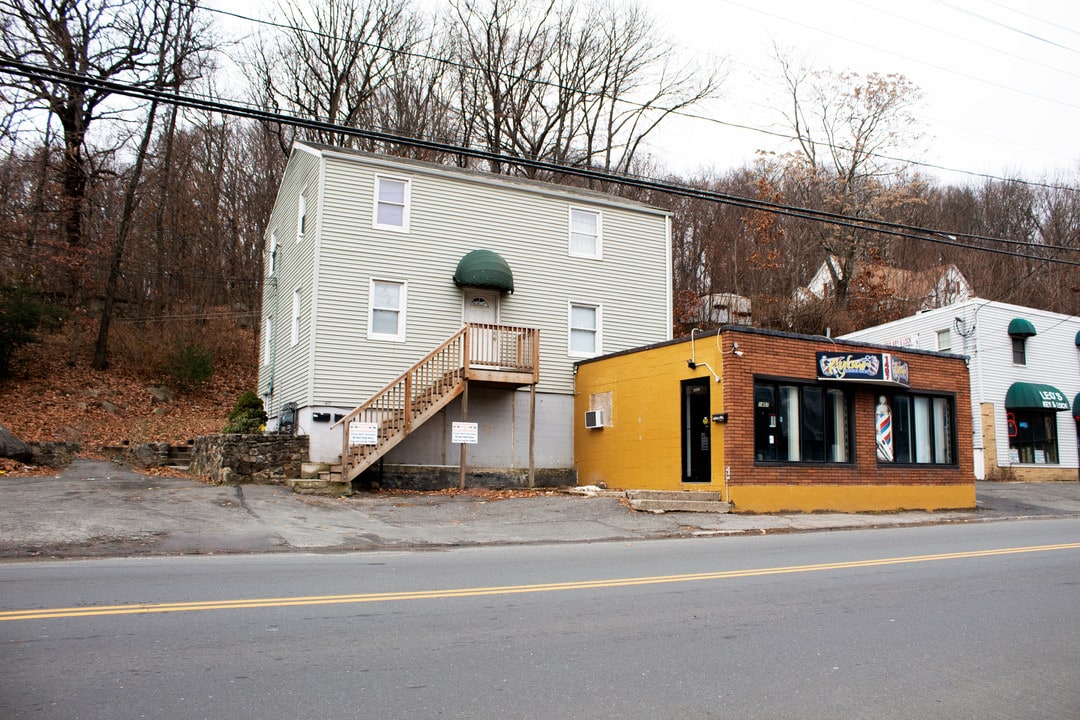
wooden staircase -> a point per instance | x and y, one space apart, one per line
493 355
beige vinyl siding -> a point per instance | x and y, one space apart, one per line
452 214
288 365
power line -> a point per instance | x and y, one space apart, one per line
681 113
911 232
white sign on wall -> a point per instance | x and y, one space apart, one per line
464 432
363 433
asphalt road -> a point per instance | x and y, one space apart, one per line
968 620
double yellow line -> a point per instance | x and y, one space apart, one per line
141 608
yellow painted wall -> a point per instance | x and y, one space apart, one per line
642 447
851 498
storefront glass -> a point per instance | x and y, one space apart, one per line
915 429
1033 437
806 423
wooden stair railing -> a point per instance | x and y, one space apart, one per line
405 403
427 387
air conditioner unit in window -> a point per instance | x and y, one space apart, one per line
594 419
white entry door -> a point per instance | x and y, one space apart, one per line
482 306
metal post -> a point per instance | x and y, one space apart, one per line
464 418
532 435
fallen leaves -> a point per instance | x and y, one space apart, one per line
115 407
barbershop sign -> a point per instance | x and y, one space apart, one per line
863 367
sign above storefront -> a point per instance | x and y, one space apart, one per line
863 367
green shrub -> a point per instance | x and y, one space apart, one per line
190 365
21 314
247 416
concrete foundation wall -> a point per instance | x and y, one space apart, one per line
413 477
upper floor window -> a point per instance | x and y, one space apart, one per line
584 330
944 340
585 233
301 217
392 203
801 423
1020 329
915 429
1019 351
386 320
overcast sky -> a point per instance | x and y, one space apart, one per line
1001 78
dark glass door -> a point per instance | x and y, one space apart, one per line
696 432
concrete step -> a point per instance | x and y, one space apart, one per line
310 470
660 501
705 495
332 476
315 486
664 506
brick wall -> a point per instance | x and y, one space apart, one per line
779 356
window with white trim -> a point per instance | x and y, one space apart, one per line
944 340
301 216
386 317
392 197
585 233
294 336
584 340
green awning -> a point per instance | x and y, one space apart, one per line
484 269
1076 406
1036 396
1019 327
1078 338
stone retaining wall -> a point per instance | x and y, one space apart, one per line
257 458
53 453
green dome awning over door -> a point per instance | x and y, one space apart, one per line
1036 396
484 269
1076 406
1019 327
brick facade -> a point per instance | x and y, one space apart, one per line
774 355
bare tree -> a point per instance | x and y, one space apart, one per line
331 61
180 38
848 128
578 84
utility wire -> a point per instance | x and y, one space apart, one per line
883 227
681 113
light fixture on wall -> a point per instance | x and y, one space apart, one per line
692 363
735 350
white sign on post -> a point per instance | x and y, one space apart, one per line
363 433
464 432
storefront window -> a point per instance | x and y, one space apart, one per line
801 423
915 429
1033 437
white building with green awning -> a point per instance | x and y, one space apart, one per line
1025 382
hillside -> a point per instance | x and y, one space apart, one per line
48 399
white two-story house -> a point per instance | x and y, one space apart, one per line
412 310
1024 366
